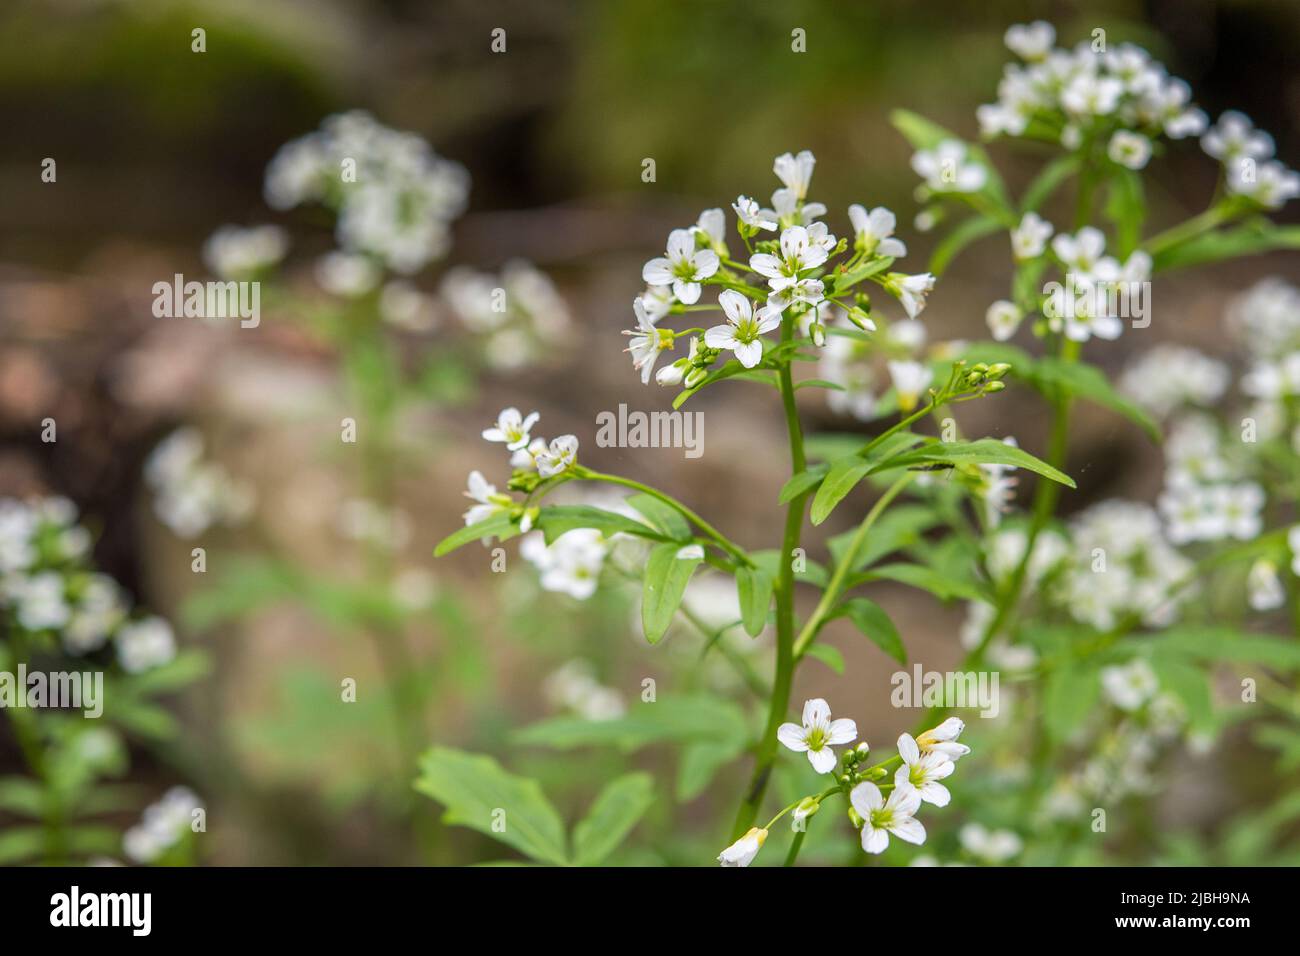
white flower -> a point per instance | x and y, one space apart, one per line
1169 376
922 772
1234 137
743 851
712 225
1236 510
744 326
488 501
403 306
795 172
799 254
997 118
558 457
910 379
646 341
1293 542
1081 253
1131 685
571 564
1264 586
872 231
880 818
817 734
657 301
235 252
1032 41
684 268
41 602
1030 237
995 846
1091 94
1129 149
574 687
345 274
1270 184
511 428
945 169
910 290
1003 318
943 740
145 644
748 211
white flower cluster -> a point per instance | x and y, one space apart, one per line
574 687
1123 751
239 252
792 263
1168 377
162 826
898 359
1120 96
395 197
192 494
1248 165
1122 564
46 587
925 762
520 311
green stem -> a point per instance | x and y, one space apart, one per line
765 756
836 585
1190 229
723 541
795 846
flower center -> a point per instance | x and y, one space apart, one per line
816 738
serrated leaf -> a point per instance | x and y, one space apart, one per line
499 525
754 585
663 518
613 814
475 789
985 451
667 572
871 619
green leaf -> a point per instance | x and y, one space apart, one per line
828 655
819 383
21 843
1189 684
475 788
667 573
755 588
555 520
803 481
1225 645
843 477
1250 239
1053 175
699 763
872 621
181 671
971 230
943 586
985 451
1088 382
688 718
613 814
1069 695
22 796
663 518
898 528
1126 207
499 525
730 369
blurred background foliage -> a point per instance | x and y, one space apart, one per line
158 145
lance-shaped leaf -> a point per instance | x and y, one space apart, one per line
1089 383
662 517
499 525
555 520
613 814
872 621
985 451
667 572
754 586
